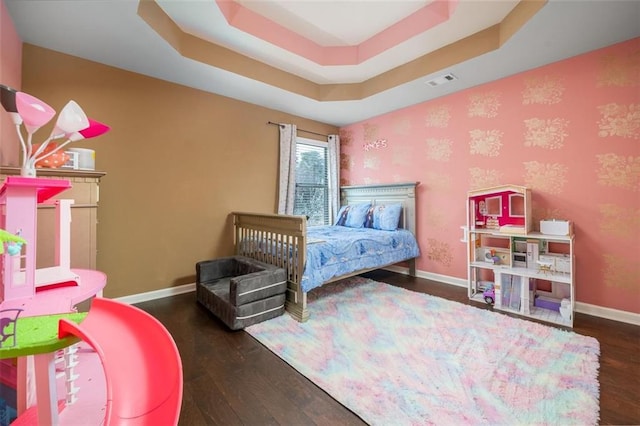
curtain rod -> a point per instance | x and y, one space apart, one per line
300 130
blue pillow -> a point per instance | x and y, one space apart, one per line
384 217
353 215
341 217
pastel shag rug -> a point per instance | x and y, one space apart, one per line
397 357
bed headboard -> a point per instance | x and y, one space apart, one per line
403 193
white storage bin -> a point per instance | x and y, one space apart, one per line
556 227
86 158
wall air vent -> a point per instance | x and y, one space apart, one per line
446 78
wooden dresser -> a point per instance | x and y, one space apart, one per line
84 216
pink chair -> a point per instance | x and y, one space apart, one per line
142 365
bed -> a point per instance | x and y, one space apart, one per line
313 256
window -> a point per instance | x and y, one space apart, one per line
516 205
312 183
494 206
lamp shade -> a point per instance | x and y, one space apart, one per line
71 119
8 100
94 129
33 111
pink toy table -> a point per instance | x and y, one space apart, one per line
50 188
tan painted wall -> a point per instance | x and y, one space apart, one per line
178 161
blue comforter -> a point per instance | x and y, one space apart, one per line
337 250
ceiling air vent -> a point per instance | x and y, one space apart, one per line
441 80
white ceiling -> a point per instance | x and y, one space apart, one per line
332 23
111 32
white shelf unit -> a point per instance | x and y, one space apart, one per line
532 273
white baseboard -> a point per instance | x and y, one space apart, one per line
608 313
458 282
157 294
583 308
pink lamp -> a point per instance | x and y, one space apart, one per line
35 114
72 123
70 120
33 111
94 129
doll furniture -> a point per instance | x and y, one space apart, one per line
241 291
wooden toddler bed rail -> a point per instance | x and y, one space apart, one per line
278 240
281 240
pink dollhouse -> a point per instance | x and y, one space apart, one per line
505 208
140 380
19 199
53 290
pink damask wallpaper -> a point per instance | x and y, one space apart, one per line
569 130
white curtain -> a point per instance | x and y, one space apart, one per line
334 176
287 181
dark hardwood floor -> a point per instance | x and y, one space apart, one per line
231 379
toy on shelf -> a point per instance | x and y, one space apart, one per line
544 266
494 257
504 208
492 223
13 242
489 294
